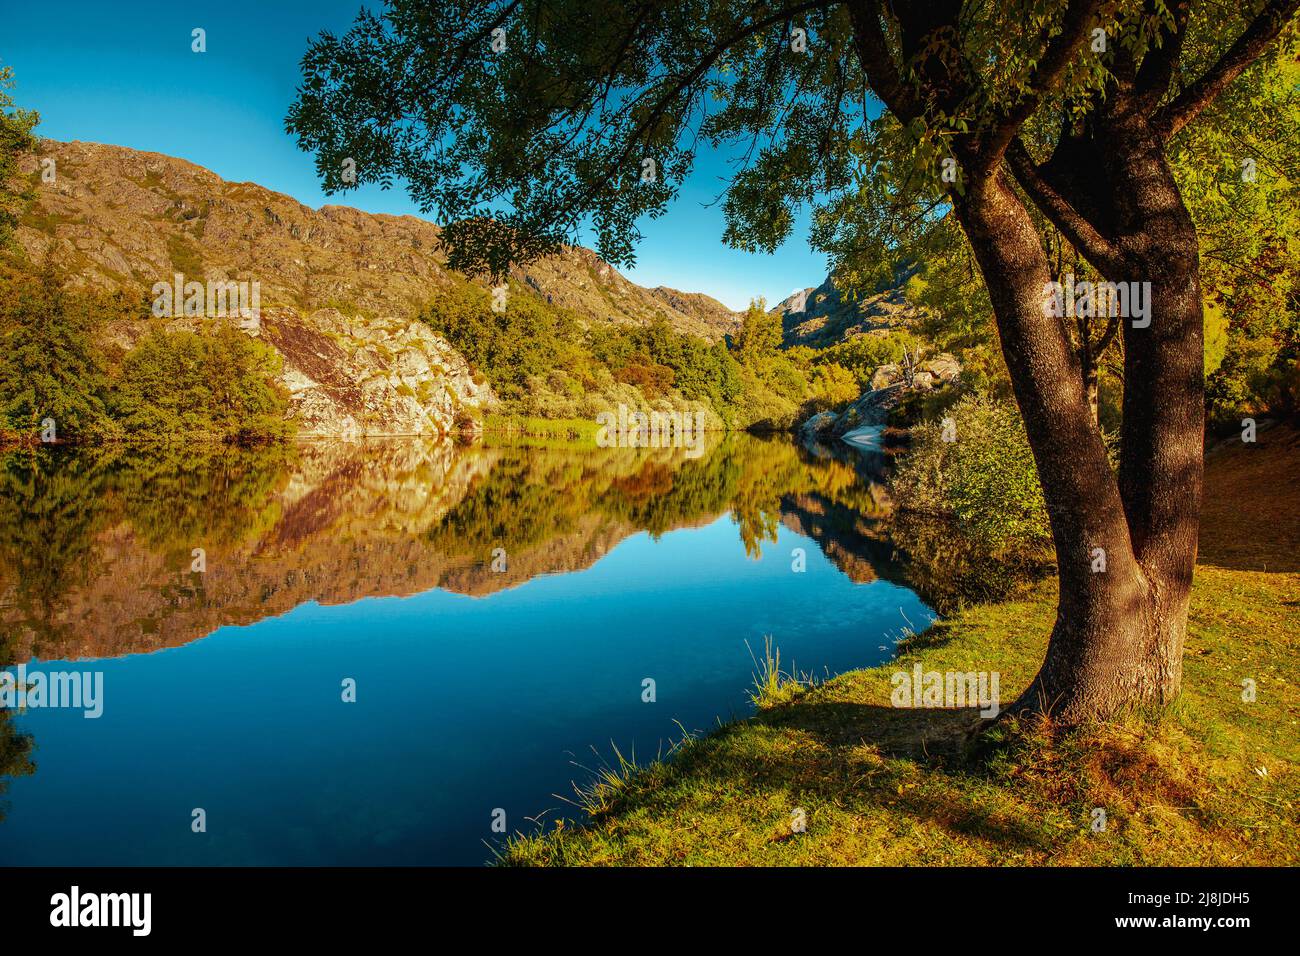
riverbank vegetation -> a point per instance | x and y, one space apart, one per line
65 378
545 364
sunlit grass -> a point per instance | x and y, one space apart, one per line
772 685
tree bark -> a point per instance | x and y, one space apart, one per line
1126 543
1163 431
1106 636
1085 675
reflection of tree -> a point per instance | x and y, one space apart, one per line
948 572
534 495
529 496
210 494
15 748
51 506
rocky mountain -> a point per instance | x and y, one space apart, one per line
132 217
822 316
339 287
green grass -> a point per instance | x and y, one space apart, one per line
774 686
1212 780
528 430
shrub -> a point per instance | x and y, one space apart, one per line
832 386
50 363
217 384
984 478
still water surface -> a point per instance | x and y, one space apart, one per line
478 688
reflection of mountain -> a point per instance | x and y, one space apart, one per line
855 543
96 552
339 524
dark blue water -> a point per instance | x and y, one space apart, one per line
465 704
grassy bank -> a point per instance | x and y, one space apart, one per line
566 430
1212 780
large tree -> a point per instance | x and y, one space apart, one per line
521 122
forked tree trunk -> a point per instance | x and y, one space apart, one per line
1126 544
1118 636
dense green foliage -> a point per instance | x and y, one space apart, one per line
975 466
51 368
861 355
16 139
213 384
543 362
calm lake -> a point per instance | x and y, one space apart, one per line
500 611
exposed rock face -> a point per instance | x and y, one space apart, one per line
349 377
944 367
872 408
825 315
934 372
715 317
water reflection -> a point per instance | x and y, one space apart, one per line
97 547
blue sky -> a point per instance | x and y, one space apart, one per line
124 74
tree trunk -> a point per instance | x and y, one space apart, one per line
1126 543
1091 375
1163 432
1117 640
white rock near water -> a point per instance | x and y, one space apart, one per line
357 377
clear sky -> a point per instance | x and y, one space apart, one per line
123 73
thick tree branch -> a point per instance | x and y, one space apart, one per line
1060 50
878 63
1083 235
1181 110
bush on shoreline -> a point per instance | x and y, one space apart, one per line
58 383
975 467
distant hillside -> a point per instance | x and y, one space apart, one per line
829 316
131 218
